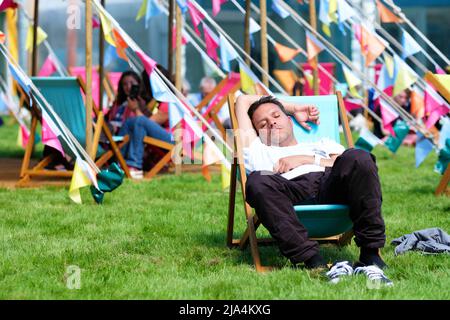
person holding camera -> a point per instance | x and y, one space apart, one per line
130 116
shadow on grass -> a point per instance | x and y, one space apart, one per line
270 255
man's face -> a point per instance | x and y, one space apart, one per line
274 127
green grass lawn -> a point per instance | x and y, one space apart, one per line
165 239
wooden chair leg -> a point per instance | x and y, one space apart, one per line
231 204
443 184
161 163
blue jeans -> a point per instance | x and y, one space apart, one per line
137 128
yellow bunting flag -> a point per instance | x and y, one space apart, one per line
352 81
405 78
444 79
389 62
332 10
247 83
79 180
41 36
285 53
387 16
107 29
225 176
142 10
309 78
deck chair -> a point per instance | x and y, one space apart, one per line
440 83
325 223
64 94
228 85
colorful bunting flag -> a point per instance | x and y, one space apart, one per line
216 5
184 38
409 44
405 76
345 11
2 38
212 42
388 115
8 4
332 10
49 136
176 114
367 140
248 79
443 158
196 16
226 174
95 22
285 53
48 68
353 82
79 180
393 142
423 148
324 17
254 26
160 90
41 36
183 5
149 63
227 53
444 134
435 106
417 104
142 10
387 16
23 136
153 10
121 45
313 48
278 8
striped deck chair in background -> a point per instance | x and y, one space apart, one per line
65 96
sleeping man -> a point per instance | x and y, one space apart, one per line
285 172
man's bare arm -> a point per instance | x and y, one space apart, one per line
246 132
302 114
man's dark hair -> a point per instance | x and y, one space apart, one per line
263 100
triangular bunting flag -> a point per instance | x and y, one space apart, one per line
41 36
285 53
423 148
387 16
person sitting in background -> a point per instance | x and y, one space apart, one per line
130 116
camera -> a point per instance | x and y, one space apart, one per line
134 92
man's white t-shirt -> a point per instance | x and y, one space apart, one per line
261 157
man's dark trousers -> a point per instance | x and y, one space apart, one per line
353 180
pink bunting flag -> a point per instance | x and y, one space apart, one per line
81 72
149 63
212 43
174 38
49 138
48 68
435 107
25 136
388 116
353 104
5 4
95 22
196 16
216 6
439 70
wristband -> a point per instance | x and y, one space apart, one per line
317 160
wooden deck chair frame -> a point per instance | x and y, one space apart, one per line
26 173
237 167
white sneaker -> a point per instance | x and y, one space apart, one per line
338 270
136 174
375 275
